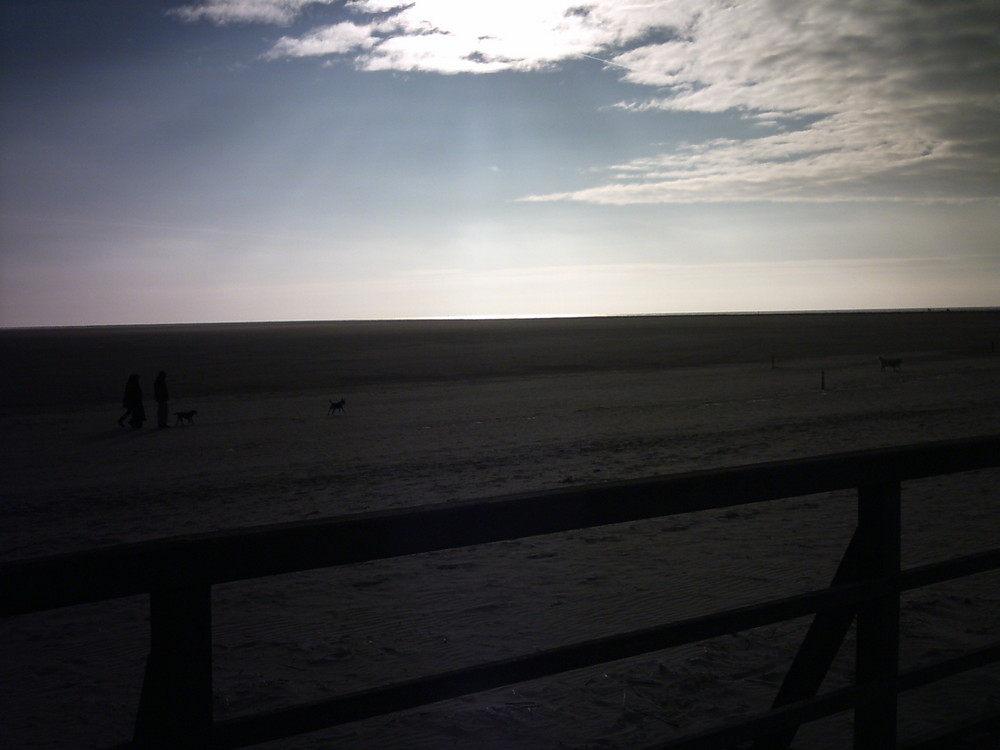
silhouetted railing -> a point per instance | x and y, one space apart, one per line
176 705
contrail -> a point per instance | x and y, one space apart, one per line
606 62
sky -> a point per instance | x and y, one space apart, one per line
251 160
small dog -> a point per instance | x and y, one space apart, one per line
185 416
890 364
334 405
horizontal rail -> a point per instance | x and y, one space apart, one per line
748 728
218 557
939 572
421 691
925 674
967 735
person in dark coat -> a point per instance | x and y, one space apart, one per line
132 401
162 396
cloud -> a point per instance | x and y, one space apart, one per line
897 98
336 39
223 12
845 156
450 36
888 100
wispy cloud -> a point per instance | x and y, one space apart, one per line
898 97
847 264
887 100
246 11
339 38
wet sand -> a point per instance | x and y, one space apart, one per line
444 410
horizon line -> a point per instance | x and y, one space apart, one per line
526 316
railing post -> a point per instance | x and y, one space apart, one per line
176 706
878 620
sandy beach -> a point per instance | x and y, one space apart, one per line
439 411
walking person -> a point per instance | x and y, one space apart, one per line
162 396
132 401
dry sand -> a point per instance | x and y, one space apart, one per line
439 411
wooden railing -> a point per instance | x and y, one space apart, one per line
176 704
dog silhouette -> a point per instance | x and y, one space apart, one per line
890 364
184 416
